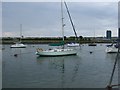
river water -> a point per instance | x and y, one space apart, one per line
84 70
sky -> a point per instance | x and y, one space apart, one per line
43 19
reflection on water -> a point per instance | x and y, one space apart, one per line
83 70
58 63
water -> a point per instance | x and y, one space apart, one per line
84 70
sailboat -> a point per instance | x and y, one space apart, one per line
19 44
113 48
73 44
57 52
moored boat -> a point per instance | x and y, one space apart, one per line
112 48
57 52
18 45
73 45
92 44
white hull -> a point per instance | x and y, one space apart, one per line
57 52
73 45
19 45
111 49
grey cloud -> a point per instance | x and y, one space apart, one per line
46 16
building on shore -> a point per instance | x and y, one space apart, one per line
118 35
108 34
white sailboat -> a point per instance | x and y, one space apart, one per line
57 52
73 44
19 44
111 48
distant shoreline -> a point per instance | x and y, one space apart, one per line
50 41
10 40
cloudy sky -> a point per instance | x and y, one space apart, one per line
43 19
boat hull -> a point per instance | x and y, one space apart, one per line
111 50
73 45
92 44
57 52
18 46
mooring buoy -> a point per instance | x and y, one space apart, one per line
15 55
91 52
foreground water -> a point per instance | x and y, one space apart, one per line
85 70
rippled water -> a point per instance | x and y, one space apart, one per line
84 70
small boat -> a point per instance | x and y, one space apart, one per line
18 45
92 44
73 45
112 48
57 52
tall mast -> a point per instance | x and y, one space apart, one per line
20 32
71 20
62 24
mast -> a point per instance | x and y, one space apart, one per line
94 36
62 24
71 20
20 32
